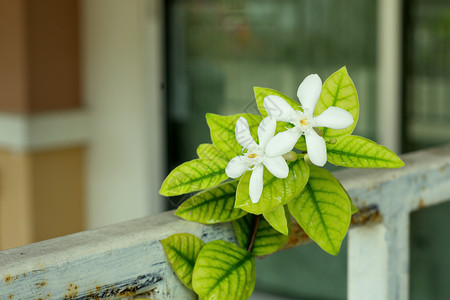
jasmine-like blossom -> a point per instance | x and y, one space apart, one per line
304 121
255 157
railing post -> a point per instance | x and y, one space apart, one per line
378 260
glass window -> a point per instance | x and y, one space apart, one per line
427 74
219 50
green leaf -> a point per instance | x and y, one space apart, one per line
353 208
338 90
224 271
279 219
301 143
261 93
223 135
276 191
267 241
323 210
358 152
210 151
194 175
182 250
212 206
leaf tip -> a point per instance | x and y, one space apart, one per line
165 243
210 118
334 252
396 162
342 71
401 163
284 232
167 187
332 249
164 190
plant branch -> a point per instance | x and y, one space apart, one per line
255 230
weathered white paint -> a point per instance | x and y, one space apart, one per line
122 78
423 182
367 244
20 133
378 261
106 261
389 40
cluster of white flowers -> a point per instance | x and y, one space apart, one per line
270 151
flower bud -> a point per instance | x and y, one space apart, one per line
290 156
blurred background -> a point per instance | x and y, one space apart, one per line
100 99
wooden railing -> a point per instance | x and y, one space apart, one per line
125 260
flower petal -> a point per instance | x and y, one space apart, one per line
309 91
317 150
266 130
243 135
256 184
278 108
236 167
277 166
333 117
283 142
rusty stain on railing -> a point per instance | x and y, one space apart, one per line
365 215
118 290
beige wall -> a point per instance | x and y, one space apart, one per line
15 200
57 192
41 195
41 192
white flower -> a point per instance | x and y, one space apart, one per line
308 93
256 158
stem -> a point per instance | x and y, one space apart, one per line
255 229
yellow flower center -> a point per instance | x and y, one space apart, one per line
253 155
304 122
